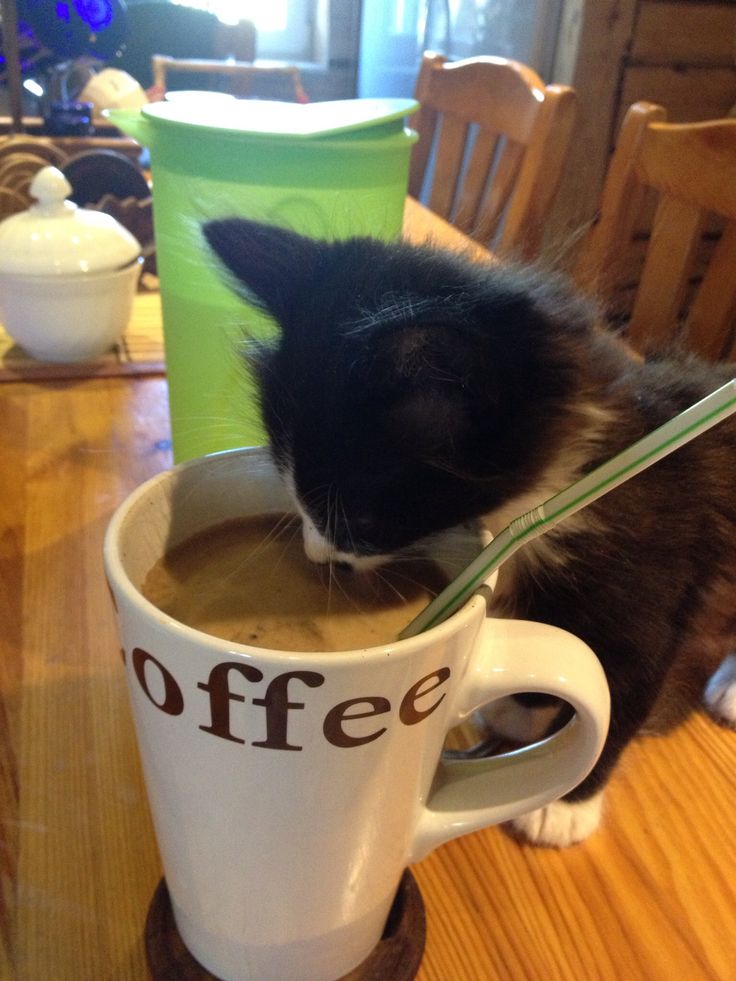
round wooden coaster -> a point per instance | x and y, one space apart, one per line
396 957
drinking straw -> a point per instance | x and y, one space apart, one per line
711 410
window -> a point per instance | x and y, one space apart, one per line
285 28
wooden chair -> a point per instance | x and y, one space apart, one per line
492 144
692 169
243 79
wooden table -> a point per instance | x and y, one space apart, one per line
651 896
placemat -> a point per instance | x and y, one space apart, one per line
140 351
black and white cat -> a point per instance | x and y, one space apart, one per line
412 391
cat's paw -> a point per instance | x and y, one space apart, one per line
560 823
720 692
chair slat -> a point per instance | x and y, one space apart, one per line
504 178
448 161
475 180
670 258
710 325
425 122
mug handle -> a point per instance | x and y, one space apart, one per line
527 657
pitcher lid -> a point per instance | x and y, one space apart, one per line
282 120
55 237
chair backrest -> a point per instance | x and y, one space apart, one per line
692 169
282 82
492 145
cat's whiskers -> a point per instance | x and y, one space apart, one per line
335 578
333 507
398 573
331 520
285 523
386 580
397 308
315 495
348 529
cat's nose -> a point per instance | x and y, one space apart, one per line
344 566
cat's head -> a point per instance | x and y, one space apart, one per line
407 390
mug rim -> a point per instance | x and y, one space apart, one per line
117 574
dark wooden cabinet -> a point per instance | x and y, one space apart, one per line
678 53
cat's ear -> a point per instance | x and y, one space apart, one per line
269 266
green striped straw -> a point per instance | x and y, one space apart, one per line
666 439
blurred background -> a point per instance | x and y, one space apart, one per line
343 49
679 54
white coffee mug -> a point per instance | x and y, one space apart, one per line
289 791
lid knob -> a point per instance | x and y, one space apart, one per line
51 189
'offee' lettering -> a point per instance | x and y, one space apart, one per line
408 712
337 722
277 705
173 702
333 725
218 688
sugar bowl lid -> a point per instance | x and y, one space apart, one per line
55 237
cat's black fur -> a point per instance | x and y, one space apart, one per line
411 390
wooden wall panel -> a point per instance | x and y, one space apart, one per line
684 34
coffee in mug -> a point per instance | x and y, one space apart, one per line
249 581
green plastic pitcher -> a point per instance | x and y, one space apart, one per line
330 170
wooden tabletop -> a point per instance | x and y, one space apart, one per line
651 896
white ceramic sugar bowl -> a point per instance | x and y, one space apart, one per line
68 275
